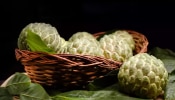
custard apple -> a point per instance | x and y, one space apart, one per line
143 75
115 48
48 34
83 34
83 46
126 37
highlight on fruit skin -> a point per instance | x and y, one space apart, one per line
143 76
118 45
83 43
82 34
123 34
48 34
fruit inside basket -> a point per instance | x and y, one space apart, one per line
69 67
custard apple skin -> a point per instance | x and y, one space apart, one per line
81 34
47 32
115 48
126 37
83 43
83 46
143 75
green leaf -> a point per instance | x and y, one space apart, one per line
162 53
170 88
4 94
36 44
34 92
18 83
109 93
169 64
74 95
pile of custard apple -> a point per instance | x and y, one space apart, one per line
141 75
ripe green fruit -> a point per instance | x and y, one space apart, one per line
82 34
115 48
143 75
83 43
48 34
122 34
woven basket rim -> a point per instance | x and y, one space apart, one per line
43 67
71 70
20 54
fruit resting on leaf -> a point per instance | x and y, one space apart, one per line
143 75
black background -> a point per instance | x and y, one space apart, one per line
154 20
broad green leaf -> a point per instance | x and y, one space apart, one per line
18 83
162 53
94 95
34 92
36 44
4 94
169 64
114 94
74 95
109 93
170 88
70 98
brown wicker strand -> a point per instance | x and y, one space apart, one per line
69 71
64 70
141 42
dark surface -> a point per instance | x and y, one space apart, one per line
155 20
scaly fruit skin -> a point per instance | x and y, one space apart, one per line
83 43
143 75
115 48
83 46
126 37
82 34
47 32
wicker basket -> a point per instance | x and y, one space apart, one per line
67 71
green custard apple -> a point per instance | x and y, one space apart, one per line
143 75
48 34
126 37
115 48
83 43
81 34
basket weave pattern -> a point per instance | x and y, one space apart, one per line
68 70
64 70
141 42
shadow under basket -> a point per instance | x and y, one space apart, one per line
70 71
